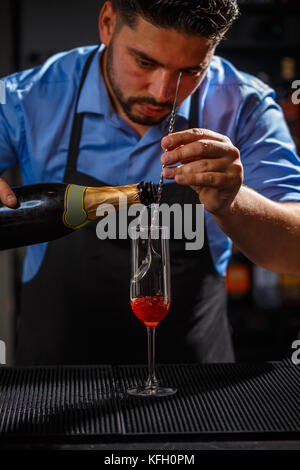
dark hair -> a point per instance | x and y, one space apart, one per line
206 18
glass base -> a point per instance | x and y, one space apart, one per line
154 391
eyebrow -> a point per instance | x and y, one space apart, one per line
143 56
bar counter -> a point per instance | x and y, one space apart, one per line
217 406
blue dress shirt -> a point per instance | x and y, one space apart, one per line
36 122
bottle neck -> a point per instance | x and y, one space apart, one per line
82 202
115 196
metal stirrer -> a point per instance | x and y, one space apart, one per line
152 256
171 128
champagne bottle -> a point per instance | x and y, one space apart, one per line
48 211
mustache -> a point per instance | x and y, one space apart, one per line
151 101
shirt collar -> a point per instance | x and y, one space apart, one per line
94 97
184 108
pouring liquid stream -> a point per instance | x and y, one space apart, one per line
152 256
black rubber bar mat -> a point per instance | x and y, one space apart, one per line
57 401
216 399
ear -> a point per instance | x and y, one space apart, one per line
107 22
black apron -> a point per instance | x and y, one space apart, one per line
76 309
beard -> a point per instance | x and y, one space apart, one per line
128 104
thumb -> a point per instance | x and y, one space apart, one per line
7 196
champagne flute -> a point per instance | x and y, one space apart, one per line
150 295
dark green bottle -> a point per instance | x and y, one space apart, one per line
48 211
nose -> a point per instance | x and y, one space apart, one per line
162 86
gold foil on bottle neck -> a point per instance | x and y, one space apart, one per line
94 197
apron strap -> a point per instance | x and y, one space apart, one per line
77 126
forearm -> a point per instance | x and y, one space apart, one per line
267 232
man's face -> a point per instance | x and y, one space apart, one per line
143 65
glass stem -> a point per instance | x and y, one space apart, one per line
152 380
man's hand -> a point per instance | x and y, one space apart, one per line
7 196
210 164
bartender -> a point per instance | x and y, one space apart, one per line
99 116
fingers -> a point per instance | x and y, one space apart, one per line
172 141
200 166
210 179
190 176
210 173
7 196
200 149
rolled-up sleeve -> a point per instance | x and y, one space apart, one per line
10 128
268 153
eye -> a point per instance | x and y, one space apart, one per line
193 73
144 63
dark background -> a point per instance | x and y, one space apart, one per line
264 308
